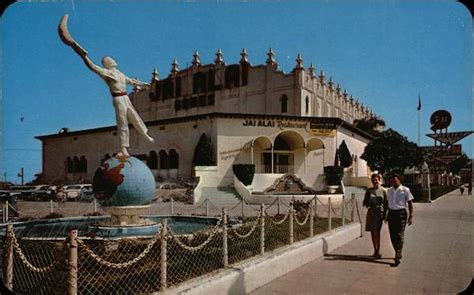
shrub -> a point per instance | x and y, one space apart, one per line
203 153
345 158
333 174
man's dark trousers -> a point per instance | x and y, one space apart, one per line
397 220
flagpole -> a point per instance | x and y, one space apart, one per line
418 127
419 110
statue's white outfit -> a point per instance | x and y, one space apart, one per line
124 110
117 82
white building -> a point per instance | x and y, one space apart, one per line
249 113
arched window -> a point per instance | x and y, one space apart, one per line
199 83
152 160
178 86
76 164
173 159
168 88
83 164
284 103
163 159
69 165
307 104
232 76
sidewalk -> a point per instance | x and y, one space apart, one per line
437 258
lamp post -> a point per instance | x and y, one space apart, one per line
426 169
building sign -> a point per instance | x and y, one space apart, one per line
440 120
323 129
230 154
274 123
323 125
450 138
455 149
323 132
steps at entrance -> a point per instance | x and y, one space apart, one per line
220 195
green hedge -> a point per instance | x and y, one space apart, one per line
333 174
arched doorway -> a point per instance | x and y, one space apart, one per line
280 158
258 146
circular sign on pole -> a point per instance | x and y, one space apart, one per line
440 120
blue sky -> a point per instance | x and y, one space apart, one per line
384 53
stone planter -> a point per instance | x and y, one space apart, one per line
332 188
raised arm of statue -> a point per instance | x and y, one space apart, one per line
136 82
93 67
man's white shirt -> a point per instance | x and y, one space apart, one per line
398 198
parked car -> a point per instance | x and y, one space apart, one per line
22 191
77 191
87 194
42 193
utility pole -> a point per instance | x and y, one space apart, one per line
21 174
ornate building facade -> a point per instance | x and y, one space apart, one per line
280 122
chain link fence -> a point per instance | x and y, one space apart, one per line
145 265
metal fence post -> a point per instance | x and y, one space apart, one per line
358 215
329 214
207 207
352 207
51 209
243 208
95 205
225 253
311 218
316 206
72 263
291 224
171 206
163 255
8 274
343 211
3 214
262 229
278 204
6 211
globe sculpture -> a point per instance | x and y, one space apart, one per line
123 181
124 186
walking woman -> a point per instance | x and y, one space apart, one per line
376 200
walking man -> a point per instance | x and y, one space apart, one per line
399 197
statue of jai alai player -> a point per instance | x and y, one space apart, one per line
117 82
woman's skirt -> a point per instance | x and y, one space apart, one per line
374 219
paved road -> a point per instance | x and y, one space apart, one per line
437 258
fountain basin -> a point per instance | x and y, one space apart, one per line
59 228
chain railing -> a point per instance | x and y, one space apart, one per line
145 265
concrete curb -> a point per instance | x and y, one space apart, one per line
247 276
